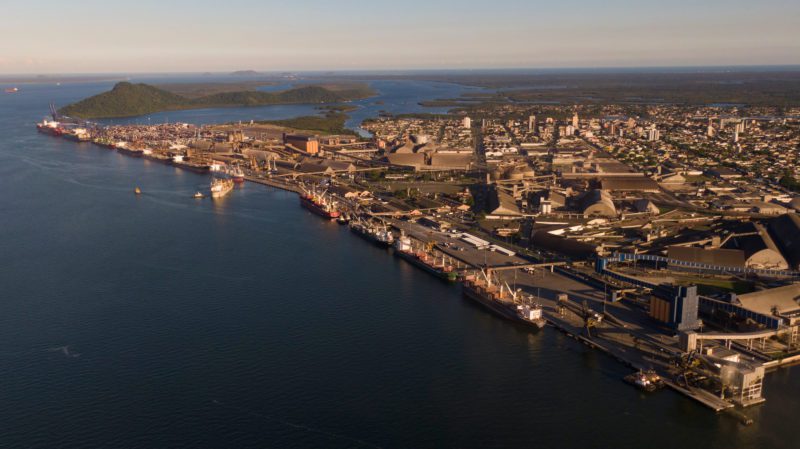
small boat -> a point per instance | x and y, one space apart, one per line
137 191
199 195
12 90
647 381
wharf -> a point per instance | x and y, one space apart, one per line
631 340
277 183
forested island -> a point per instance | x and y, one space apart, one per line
128 99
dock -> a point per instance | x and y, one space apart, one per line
274 182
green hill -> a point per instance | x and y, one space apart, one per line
307 94
127 100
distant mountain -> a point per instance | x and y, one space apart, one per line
245 73
127 100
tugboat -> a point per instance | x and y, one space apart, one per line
220 187
647 381
502 300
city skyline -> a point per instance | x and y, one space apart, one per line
200 36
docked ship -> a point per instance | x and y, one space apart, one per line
104 142
77 135
378 235
320 203
221 187
125 148
52 128
502 300
237 175
187 164
424 260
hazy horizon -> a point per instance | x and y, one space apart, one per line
498 70
198 36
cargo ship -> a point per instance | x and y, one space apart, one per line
320 203
148 153
77 135
188 164
503 301
237 175
424 260
378 235
124 148
104 142
52 128
220 187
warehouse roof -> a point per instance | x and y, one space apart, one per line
783 299
630 184
716 256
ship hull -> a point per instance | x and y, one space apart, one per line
315 208
414 260
49 131
501 310
129 152
201 169
369 237
221 188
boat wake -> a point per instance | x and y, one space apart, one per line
66 351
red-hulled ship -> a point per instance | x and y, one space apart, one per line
237 175
52 128
321 204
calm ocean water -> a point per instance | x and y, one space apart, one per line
163 321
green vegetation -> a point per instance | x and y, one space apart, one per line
127 100
349 90
707 286
330 123
338 108
197 90
779 88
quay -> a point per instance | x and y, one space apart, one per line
273 182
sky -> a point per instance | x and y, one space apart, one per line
110 36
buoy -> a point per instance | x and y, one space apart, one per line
137 191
